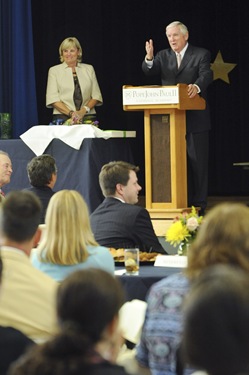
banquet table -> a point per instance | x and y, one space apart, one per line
137 287
77 169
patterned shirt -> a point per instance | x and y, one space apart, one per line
163 325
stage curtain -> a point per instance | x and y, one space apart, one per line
17 73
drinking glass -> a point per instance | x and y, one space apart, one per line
131 260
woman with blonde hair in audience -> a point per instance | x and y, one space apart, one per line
68 244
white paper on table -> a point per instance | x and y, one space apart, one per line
39 137
171 261
120 272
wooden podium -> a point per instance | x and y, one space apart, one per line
165 144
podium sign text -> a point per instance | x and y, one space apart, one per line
150 95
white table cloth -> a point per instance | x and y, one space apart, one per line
39 137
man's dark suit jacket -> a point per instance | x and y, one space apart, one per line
44 193
122 225
194 68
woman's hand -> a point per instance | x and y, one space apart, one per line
77 116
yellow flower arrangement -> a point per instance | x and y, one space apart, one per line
183 230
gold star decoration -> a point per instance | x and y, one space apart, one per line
221 69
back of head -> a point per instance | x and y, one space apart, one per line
68 230
40 170
216 331
113 173
87 302
20 215
223 237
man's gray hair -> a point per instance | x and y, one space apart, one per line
183 28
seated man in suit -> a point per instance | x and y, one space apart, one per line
42 173
118 222
27 295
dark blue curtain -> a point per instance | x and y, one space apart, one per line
17 73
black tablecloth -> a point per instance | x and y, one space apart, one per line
137 287
77 169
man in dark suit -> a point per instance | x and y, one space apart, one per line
118 222
42 173
184 63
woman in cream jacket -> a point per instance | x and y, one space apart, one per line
72 87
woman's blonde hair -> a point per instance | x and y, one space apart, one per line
223 238
69 43
68 230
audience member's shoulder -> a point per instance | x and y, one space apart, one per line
110 369
13 344
8 334
104 249
100 249
141 211
43 278
168 293
176 281
136 208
